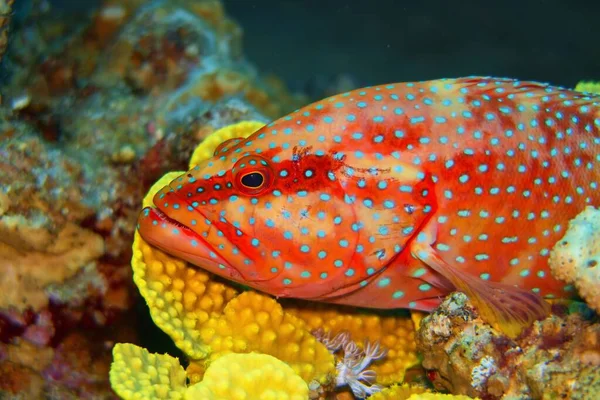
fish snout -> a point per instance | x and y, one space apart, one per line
178 240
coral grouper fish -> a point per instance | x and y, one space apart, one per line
395 195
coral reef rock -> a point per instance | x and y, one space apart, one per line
94 109
557 358
5 14
576 257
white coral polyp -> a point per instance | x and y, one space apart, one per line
352 368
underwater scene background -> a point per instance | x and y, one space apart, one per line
104 106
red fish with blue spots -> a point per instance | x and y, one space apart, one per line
394 196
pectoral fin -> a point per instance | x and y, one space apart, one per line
506 308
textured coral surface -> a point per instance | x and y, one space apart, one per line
576 257
558 357
93 109
137 374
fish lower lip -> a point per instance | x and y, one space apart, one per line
171 221
162 221
178 240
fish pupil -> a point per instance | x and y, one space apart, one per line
253 180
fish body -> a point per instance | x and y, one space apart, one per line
395 195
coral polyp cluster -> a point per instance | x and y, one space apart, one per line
352 368
576 257
464 355
137 374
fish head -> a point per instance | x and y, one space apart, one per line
301 216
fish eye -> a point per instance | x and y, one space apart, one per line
253 180
252 175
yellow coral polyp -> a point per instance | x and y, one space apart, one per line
249 376
137 374
180 297
413 392
417 317
398 392
206 149
440 396
588 87
256 322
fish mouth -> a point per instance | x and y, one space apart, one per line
161 227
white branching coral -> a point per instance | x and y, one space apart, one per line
333 344
482 372
351 367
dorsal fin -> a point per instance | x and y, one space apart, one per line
226 145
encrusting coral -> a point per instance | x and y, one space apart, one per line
464 355
576 257
588 87
413 392
137 374
209 319
66 253
249 376
94 109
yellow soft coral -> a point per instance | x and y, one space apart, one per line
398 392
588 87
410 392
575 258
249 376
180 297
417 317
256 322
439 396
137 374
394 333
206 149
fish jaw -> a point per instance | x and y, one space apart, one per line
169 235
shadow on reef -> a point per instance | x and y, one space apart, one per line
153 338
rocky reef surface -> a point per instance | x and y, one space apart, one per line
93 110
557 358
